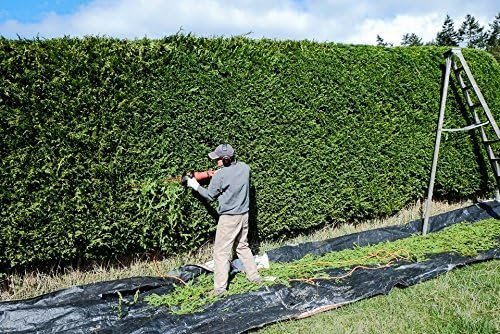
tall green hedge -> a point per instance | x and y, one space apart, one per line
91 127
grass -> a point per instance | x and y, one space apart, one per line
464 239
23 285
465 300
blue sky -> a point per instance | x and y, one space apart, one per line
30 11
347 21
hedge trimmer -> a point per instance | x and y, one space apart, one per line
199 176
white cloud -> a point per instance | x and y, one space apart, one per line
392 31
321 20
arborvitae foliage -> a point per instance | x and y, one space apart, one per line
471 32
411 40
448 36
91 127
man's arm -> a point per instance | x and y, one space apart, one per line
211 193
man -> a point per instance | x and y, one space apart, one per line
230 185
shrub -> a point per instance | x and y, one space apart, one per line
90 127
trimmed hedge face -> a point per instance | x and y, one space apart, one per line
333 133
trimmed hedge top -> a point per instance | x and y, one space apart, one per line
91 127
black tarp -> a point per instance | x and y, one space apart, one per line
471 214
93 308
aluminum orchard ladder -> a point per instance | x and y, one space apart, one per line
475 101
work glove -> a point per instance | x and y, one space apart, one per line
191 182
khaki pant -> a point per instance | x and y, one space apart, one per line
231 230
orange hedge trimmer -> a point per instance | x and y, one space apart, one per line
199 176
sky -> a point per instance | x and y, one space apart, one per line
342 21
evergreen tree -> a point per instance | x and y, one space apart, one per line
448 36
494 32
493 39
411 40
381 42
472 33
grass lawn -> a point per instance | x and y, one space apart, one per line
466 300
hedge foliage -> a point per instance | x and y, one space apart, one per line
91 127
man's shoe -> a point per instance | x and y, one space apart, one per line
218 293
258 281
262 280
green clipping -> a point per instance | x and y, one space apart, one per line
464 239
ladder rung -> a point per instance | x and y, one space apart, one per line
466 87
475 105
491 141
467 128
458 69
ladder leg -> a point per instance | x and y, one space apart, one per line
444 94
479 95
491 155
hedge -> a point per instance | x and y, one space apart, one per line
91 127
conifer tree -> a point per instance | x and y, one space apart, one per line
493 39
381 42
472 33
494 32
411 40
447 36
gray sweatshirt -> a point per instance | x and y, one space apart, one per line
231 187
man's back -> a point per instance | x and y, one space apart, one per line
232 185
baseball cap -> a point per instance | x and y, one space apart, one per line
221 151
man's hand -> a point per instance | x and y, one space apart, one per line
191 182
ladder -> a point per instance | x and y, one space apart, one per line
475 101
